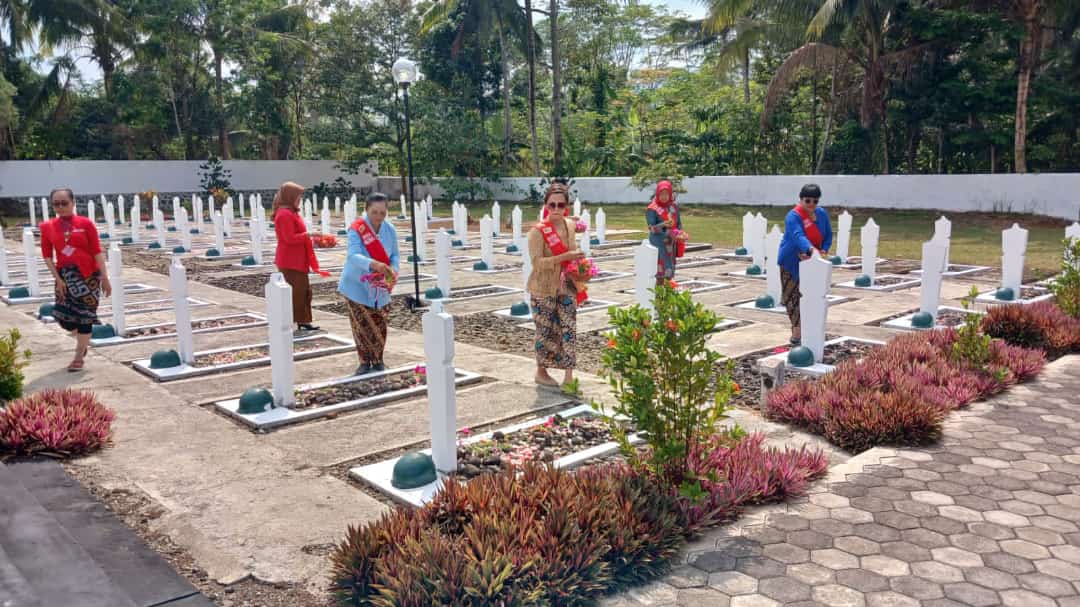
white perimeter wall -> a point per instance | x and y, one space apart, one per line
1052 194
21 178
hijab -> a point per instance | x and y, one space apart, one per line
663 186
288 195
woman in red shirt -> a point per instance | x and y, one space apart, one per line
295 255
79 270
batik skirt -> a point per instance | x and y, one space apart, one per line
369 331
556 331
76 308
790 296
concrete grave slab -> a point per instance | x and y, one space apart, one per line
244 320
904 282
469 293
590 305
903 323
821 369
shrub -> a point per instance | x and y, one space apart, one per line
663 377
12 362
1066 286
534 535
972 346
1043 325
65 422
900 393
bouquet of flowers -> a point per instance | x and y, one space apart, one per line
580 227
324 241
580 271
378 281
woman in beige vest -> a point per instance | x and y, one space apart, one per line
554 306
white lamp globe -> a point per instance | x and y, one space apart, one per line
404 71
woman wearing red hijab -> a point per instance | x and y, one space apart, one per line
295 255
665 230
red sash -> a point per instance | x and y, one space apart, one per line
672 213
371 242
558 247
810 228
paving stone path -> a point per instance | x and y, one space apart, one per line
989 516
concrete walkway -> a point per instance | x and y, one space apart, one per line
987 517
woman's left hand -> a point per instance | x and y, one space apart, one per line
682 236
106 286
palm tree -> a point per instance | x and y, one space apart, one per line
488 18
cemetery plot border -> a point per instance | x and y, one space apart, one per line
697 262
591 305
185 371
694 285
378 474
253 320
751 304
884 283
855 263
903 322
1029 294
283 416
616 244
15 301
130 309
606 275
690 248
476 292
47 284
499 268
958 270
818 369
743 274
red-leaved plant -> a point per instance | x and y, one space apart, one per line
1043 325
59 422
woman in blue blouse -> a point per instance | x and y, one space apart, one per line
806 228
371 269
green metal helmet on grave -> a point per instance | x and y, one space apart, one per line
741 251
800 356
480 266
513 248
44 310
1005 294
765 302
922 320
102 331
179 250
254 400
753 270
19 293
862 280
248 261
433 293
413 470
213 253
836 260
164 359
519 309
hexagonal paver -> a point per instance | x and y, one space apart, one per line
832 527
1025 598
974 543
834 559
763 534
809 539
970 594
885 565
871 504
877 533
990 578
862 580
701 597
1054 524
1066 553
829 500
788 522
739 547
851 515
960 513
733 583
916 509
905 551
1043 537
760 566
753 600
916 587
1009 563
937 572
991 531
957 557
1007 519
946 526
789 554
686 576
713 560
897 520
784 589
811 573
836 595
924 538
1022 507
1046 584
1059 568
1025 549
890 599
859 546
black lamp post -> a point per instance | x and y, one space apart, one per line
405 74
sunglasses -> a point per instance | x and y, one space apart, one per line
556 205
61 203
811 200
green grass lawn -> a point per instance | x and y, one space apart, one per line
976 237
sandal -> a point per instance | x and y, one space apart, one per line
76 365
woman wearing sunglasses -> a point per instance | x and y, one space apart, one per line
554 297
78 269
806 228
665 231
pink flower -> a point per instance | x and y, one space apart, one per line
420 370
466 431
780 350
581 226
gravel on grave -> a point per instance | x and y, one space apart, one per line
1032 292
946 318
886 281
364 388
209 323
555 438
235 356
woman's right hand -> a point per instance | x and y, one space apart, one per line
571 256
380 267
61 288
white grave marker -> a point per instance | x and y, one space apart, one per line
182 226
185 344
1073 231
601 226
324 221
110 217
136 222
757 243
585 238
868 236
175 207
496 218
515 224
279 320
645 256
159 227
442 397
91 211
748 231
1013 248
442 262
31 259
577 207
526 266
772 265
44 209
843 237
240 199
153 207
116 278
815 276
420 211
219 234
120 209
33 213
337 206
404 212
197 206
5 278
933 257
487 243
